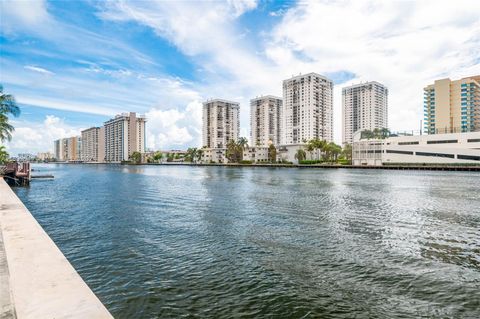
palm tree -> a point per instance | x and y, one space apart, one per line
199 154
234 152
347 152
300 155
367 134
272 153
310 148
3 155
191 154
385 132
7 106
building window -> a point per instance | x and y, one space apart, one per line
400 152
468 157
435 154
408 143
473 140
442 141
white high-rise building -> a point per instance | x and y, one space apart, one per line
265 117
307 110
221 123
124 135
364 107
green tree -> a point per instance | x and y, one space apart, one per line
157 157
3 155
191 155
310 148
300 155
243 142
367 134
347 152
136 157
200 154
8 106
272 153
234 152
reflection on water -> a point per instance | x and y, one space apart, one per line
259 242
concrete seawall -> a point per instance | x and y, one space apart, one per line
36 280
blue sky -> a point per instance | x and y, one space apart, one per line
74 64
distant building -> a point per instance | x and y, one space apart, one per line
307 110
265 119
93 144
59 152
364 107
68 149
452 106
46 156
448 148
25 157
124 135
221 123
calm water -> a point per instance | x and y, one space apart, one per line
291 243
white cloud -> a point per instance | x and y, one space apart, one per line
170 129
23 14
38 137
38 69
405 45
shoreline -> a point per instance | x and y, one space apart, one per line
412 166
41 281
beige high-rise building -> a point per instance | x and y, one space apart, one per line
452 106
307 110
221 123
364 107
265 118
68 149
93 144
124 135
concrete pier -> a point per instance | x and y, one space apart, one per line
36 280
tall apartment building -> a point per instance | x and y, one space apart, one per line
93 144
364 107
124 135
221 123
452 106
265 118
68 149
307 110
58 150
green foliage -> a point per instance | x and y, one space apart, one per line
272 153
310 162
378 133
246 162
157 156
300 155
136 157
7 106
235 150
3 155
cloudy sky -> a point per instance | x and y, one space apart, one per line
75 64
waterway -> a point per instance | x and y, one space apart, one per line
220 242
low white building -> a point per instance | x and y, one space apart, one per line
256 154
419 149
214 155
288 152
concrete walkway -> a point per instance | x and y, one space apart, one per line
6 304
36 279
